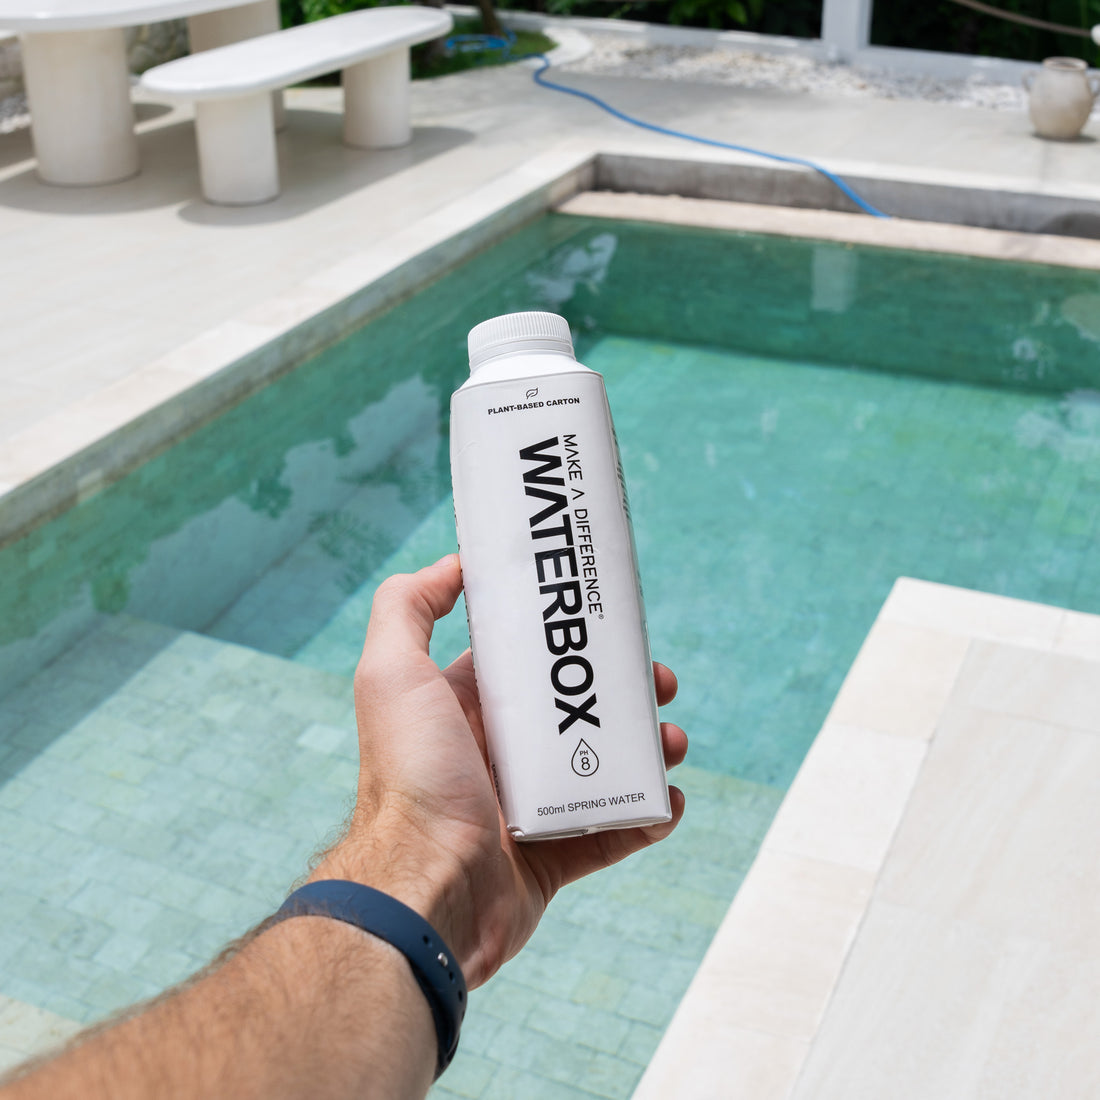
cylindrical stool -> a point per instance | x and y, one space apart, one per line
376 101
237 159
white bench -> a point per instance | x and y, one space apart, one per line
78 80
232 87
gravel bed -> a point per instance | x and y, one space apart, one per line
612 56
624 57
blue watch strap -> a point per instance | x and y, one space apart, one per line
433 965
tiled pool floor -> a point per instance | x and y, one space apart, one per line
142 825
167 796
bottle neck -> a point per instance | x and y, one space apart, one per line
526 364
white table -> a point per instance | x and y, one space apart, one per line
78 80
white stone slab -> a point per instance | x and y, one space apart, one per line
974 614
736 1064
918 1010
773 961
1079 635
970 972
1002 830
1049 687
901 679
847 799
73 15
299 53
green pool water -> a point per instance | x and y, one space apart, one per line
801 423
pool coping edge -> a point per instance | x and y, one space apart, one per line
750 1018
838 227
84 446
94 441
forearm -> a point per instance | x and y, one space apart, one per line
312 1008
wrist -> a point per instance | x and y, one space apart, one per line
429 957
430 884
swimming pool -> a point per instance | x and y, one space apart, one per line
800 424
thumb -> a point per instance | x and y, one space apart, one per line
406 607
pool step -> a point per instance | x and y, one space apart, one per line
166 797
155 805
336 646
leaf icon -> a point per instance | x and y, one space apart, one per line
585 761
532 393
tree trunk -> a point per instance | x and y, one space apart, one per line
435 50
490 24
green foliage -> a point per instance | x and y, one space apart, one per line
429 59
428 63
799 18
715 13
309 11
914 24
947 27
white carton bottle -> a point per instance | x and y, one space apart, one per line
557 624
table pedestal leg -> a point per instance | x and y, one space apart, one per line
82 123
211 29
237 157
376 101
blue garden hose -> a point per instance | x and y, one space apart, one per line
466 42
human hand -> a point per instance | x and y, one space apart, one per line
426 828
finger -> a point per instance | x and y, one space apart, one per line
674 742
665 680
407 605
460 675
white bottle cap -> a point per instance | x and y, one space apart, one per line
519 332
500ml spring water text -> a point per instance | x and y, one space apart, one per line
591 804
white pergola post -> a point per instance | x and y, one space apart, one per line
846 28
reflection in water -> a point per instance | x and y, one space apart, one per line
833 278
1071 429
556 280
261 525
1083 312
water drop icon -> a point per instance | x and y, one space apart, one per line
585 761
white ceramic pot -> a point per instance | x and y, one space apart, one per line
1060 97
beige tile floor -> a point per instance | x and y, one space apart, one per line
917 923
921 919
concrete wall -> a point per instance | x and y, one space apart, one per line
11 67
